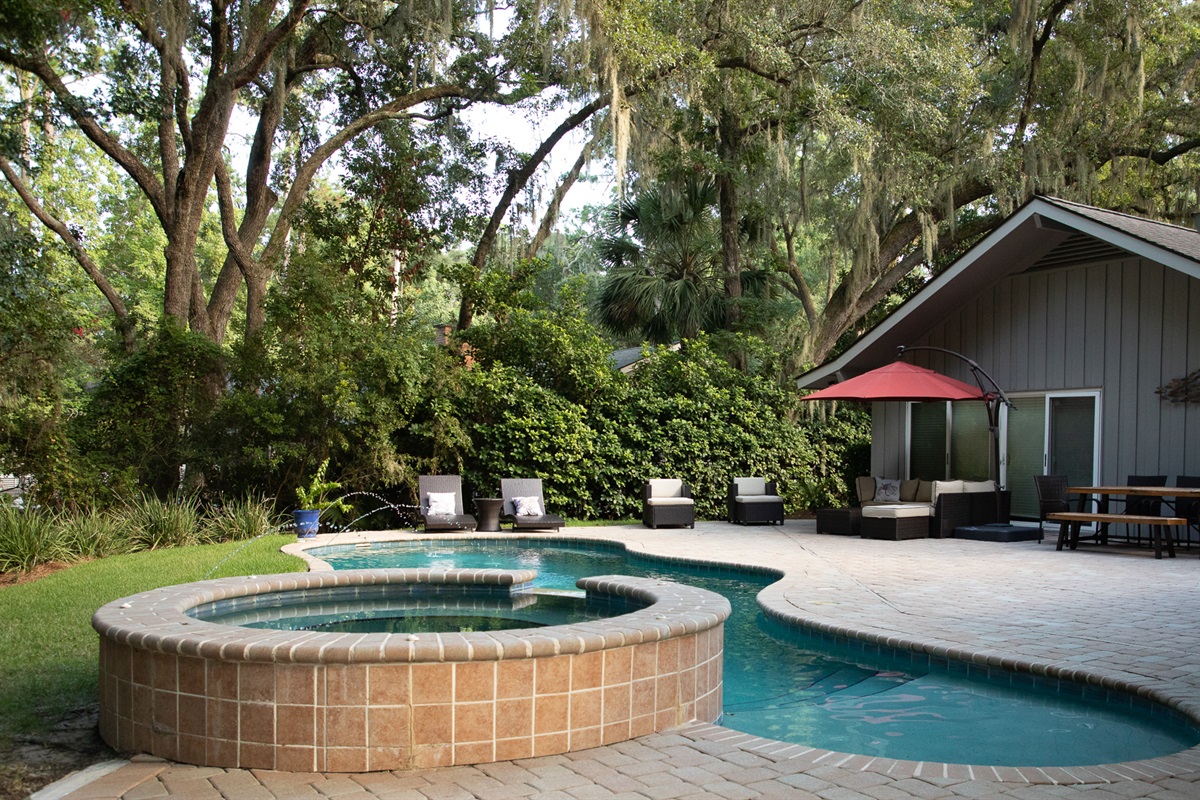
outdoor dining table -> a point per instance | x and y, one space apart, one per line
1103 518
1176 492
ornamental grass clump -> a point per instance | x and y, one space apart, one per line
93 533
240 519
29 538
155 523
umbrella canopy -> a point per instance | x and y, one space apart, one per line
900 381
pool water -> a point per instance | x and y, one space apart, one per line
379 609
783 684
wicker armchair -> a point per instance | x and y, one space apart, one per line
668 501
753 500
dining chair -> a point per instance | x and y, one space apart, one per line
1188 508
1144 506
1052 497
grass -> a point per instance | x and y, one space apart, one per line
48 650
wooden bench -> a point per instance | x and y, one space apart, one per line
1071 521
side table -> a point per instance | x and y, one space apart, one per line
840 521
488 509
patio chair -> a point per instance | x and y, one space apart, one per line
1144 506
1052 497
667 501
1188 508
525 507
753 500
440 504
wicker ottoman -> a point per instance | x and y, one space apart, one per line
895 522
839 521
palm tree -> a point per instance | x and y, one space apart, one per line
662 249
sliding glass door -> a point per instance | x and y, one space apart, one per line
1056 433
1050 433
948 440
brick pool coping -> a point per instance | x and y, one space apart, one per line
778 600
210 694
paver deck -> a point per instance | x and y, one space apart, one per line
1114 616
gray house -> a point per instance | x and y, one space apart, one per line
1082 316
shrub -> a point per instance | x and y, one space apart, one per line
243 518
92 533
29 538
155 523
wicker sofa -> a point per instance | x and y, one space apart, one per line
952 504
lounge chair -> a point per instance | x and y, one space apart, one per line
668 501
525 507
440 504
754 500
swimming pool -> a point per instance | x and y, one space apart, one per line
787 684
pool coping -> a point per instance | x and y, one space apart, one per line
773 600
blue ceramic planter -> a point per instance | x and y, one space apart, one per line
307 523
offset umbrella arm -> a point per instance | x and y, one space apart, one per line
977 372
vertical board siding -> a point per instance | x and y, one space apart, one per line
1057 309
1174 365
1191 411
1124 327
1151 351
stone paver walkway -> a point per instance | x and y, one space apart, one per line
1111 617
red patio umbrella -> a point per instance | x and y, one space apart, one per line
900 380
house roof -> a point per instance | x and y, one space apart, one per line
630 357
1043 233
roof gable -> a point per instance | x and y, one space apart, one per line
1041 233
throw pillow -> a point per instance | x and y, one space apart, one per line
527 506
441 503
979 486
887 490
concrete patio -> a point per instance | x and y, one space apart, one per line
1106 616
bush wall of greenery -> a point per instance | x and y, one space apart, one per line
529 390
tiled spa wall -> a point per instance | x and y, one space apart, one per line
217 695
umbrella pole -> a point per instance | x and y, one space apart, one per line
994 397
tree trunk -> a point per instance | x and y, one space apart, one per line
728 146
516 182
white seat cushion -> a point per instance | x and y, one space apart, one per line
898 511
749 486
665 487
758 498
670 501
946 487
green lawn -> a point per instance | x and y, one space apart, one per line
48 650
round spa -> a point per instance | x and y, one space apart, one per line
645 657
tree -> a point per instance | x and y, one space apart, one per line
663 252
163 83
1074 98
